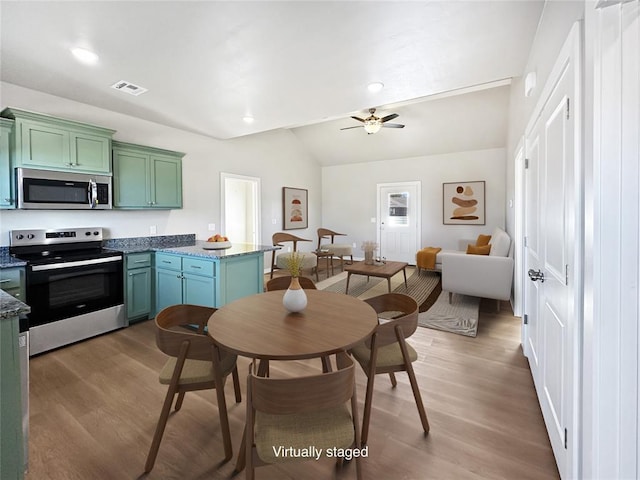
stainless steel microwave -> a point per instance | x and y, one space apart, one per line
51 190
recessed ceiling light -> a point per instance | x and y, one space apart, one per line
247 119
85 56
375 86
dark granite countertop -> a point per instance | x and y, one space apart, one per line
236 250
146 244
7 261
10 306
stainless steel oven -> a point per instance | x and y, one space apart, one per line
47 189
73 286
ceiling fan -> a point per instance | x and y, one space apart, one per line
373 124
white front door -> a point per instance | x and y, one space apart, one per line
399 221
551 333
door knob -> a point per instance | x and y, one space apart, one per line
535 275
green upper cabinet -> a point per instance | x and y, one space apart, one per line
42 141
7 194
146 177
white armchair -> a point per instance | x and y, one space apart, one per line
485 276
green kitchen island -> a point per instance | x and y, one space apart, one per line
198 275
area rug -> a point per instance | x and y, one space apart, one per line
358 284
424 288
460 316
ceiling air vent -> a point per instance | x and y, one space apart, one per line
129 87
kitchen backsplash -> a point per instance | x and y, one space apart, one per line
146 243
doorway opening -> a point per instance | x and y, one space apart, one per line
240 212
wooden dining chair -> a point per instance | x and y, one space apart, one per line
319 410
279 261
282 283
339 250
387 351
195 363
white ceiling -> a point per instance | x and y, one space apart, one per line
303 65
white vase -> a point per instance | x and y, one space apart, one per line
294 299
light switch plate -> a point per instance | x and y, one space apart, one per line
212 227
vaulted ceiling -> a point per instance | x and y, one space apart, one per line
445 66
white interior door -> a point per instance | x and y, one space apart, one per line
241 208
399 220
550 229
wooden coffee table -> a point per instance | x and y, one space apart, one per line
386 270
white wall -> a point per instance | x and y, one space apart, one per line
276 157
555 23
349 194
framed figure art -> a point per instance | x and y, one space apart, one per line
295 208
463 203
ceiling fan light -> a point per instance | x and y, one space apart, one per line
372 126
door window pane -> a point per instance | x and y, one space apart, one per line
398 208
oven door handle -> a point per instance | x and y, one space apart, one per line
78 263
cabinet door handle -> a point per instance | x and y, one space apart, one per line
166 261
195 266
141 261
5 280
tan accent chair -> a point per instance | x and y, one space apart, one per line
339 250
282 283
318 410
279 261
387 351
195 363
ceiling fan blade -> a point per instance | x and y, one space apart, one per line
359 119
347 128
389 117
392 125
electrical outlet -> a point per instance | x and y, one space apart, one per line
274 221
212 227
153 230
354 244
373 219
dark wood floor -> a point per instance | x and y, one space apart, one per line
94 406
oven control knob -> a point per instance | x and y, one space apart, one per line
96 233
31 236
87 233
20 236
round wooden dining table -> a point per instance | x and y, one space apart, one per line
259 327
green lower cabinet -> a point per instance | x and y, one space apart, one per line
168 288
208 282
184 279
197 290
12 281
11 441
138 281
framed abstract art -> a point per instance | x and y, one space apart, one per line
295 208
463 203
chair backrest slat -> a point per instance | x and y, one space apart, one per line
170 331
281 396
394 302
